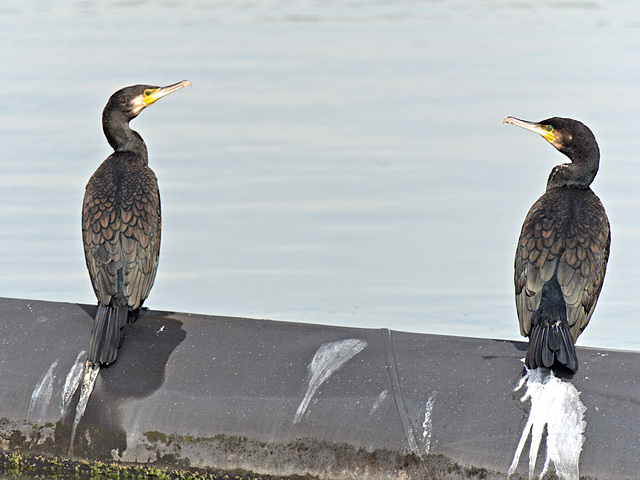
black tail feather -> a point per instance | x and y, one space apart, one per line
551 345
107 333
547 353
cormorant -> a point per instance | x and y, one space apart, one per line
121 222
563 248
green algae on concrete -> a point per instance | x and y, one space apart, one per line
41 448
18 465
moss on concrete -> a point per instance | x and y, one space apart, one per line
168 456
19 464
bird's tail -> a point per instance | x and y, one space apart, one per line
108 328
551 344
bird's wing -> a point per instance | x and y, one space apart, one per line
572 237
121 225
582 267
537 254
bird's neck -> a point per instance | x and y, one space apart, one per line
121 137
579 173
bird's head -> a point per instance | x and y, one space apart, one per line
130 101
569 136
575 140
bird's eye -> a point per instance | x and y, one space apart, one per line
147 93
549 128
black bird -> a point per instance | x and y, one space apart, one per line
121 222
562 253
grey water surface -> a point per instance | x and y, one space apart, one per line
333 162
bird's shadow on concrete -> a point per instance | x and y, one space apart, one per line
138 372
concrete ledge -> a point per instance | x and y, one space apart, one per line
279 398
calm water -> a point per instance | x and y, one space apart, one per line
341 163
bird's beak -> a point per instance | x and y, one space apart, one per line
162 91
532 127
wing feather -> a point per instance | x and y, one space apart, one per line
567 233
121 229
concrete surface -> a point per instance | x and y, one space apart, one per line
284 398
